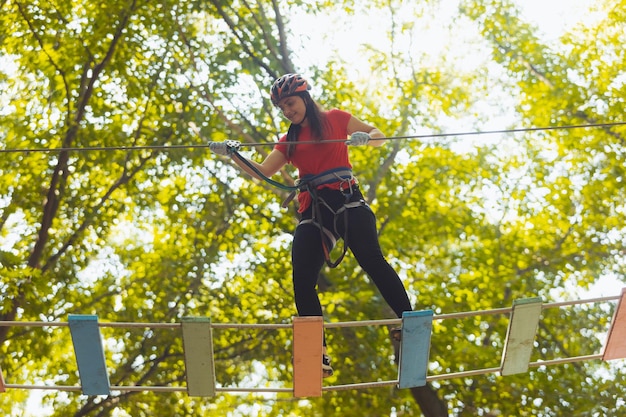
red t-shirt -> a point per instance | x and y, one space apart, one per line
315 158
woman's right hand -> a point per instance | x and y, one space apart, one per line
225 148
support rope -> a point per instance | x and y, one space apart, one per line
263 176
260 144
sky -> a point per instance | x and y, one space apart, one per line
323 35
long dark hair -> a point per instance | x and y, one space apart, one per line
317 122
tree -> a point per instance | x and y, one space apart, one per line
124 213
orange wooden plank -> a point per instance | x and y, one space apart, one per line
616 341
2 387
308 339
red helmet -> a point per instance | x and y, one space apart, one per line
288 85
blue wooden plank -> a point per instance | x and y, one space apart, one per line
87 342
414 348
199 361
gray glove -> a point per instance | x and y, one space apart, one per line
225 148
358 139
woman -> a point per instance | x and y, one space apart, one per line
331 204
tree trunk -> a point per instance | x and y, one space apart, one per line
426 397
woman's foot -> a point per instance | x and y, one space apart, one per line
327 370
396 333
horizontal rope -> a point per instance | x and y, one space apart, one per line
270 326
344 387
142 388
361 385
565 360
259 144
462 374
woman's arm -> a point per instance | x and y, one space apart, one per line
356 125
270 166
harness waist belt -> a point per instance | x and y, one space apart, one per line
326 177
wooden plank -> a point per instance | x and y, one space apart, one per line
308 340
199 361
89 354
2 386
615 347
414 348
520 336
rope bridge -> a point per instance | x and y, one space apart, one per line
524 316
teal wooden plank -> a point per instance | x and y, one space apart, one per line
199 360
520 335
414 348
87 342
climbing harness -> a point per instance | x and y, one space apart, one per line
347 185
311 183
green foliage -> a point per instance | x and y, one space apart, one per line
146 226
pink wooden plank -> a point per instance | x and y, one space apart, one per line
616 341
307 356
2 387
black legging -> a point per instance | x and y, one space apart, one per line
308 256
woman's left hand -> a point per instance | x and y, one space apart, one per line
358 139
